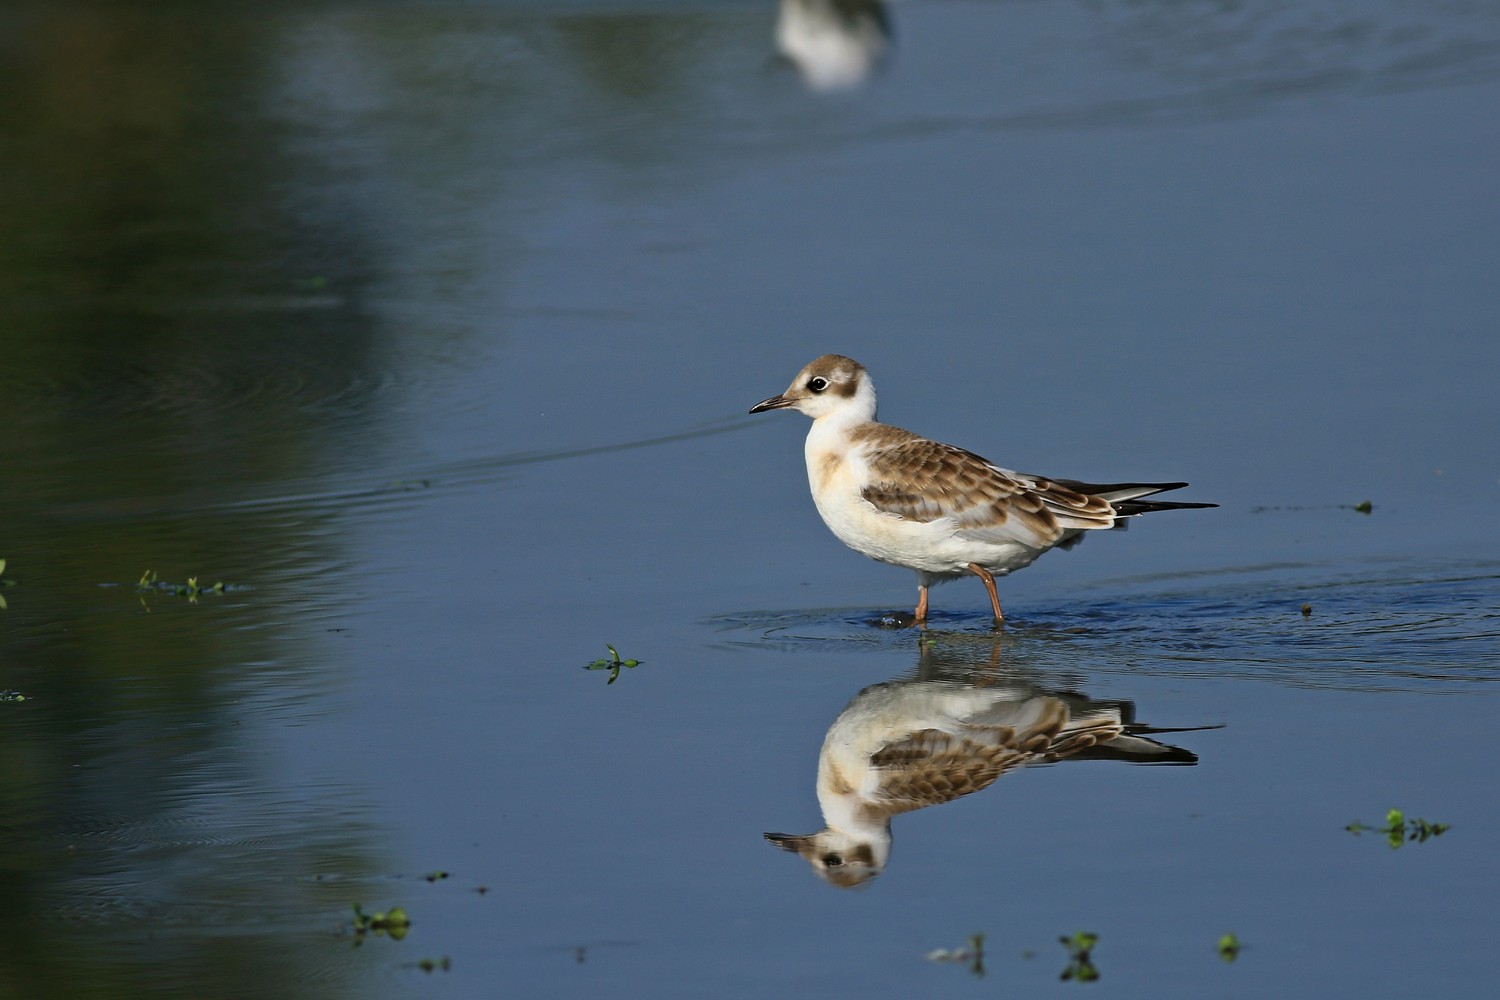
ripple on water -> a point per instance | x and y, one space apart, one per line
1377 627
199 388
196 863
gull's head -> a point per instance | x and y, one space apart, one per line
840 858
833 384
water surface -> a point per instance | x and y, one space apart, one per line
428 330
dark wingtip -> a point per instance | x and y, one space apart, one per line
1129 508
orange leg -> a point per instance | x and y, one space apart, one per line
988 579
921 615
989 673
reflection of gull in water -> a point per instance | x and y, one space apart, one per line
835 44
904 745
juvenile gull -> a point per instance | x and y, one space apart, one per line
944 512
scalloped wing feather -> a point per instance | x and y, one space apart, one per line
931 767
924 481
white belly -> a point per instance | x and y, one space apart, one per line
930 547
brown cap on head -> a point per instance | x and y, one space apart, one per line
832 375
846 869
841 373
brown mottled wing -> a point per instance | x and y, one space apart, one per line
1083 734
922 480
931 767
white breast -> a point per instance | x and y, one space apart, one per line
837 473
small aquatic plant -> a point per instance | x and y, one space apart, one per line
972 955
393 923
4 583
613 664
148 583
1229 947
1080 947
1399 830
6 694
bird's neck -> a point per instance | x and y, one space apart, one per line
852 815
829 430
830 433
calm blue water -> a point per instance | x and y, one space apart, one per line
429 330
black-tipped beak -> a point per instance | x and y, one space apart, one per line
786 841
774 403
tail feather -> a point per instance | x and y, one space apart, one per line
1130 508
1127 497
1138 750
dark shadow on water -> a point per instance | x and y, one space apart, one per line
175 325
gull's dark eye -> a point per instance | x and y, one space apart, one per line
832 860
817 383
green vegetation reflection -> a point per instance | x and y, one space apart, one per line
1080 947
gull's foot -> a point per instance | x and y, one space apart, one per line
895 619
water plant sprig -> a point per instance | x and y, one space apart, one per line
1399 830
1229 947
148 583
613 664
393 923
1080 947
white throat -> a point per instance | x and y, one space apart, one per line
858 409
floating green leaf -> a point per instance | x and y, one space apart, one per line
613 664
1229 947
393 923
